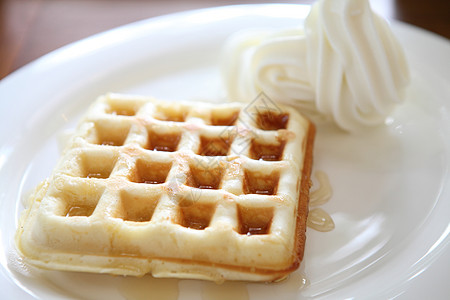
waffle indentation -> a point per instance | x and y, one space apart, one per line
270 120
95 165
121 109
170 113
221 118
107 137
214 146
204 177
80 201
195 215
80 210
150 172
136 207
258 183
268 152
254 220
163 141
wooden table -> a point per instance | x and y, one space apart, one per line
32 28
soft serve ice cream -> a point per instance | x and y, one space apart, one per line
345 65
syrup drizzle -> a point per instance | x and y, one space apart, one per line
80 211
319 219
294 282
322 194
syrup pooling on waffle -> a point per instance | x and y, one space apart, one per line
181 182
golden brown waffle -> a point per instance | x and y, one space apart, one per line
176 189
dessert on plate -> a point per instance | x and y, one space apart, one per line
344 65
175 189
215 191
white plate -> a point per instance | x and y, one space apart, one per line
391 202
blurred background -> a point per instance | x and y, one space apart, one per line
32 28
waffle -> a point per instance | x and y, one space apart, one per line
175 189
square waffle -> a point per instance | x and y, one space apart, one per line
175 189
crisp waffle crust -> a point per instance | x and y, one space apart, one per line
176 189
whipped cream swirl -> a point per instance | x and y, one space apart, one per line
346 65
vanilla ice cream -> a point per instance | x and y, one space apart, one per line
345 65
